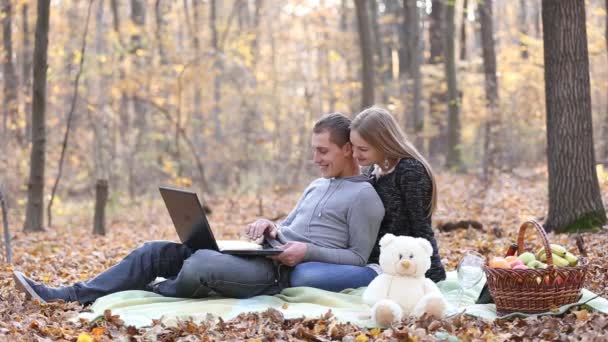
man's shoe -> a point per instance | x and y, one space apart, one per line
22 284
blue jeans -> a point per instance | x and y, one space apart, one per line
190 273
331 277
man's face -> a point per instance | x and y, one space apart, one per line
331 158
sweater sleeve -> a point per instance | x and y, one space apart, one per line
363 220
416 191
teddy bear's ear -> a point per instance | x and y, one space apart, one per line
387 239
426 245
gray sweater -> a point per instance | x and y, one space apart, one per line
338 218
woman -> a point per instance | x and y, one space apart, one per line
405 183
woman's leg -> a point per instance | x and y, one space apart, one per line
331 277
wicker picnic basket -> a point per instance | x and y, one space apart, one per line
535 290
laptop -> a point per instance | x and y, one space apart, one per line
193 229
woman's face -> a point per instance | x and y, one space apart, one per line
363 152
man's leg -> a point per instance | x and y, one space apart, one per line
331 277
134 272
227 275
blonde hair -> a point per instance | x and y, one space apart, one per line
380 129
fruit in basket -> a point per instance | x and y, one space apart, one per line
516 262
556 249
536 264
511 258
557 260
572 259
526 257
499 262
520 267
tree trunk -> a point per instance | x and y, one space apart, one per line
349 77
605 121
453 158
437 97
415 124
575 202
217 69
367 58
10 104
101 199
160 31
381 66
34 220
138 18
523 28
492 122
463 29
436 32
26 73
7 235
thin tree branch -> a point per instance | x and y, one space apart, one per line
7 234
71 113
167 114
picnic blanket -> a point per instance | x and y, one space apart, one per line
139 308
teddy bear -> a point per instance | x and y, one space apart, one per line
402 288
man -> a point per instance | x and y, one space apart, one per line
335 221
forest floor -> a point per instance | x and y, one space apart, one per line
69 252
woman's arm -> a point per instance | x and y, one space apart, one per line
416 190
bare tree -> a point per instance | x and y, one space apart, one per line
70 115
453 156
412 23
575 202
436 31
367 58
34 220
381 63
463 30
522 18
26 56
99 123
491 87
138 18
10 76
7 235
217 69
605 121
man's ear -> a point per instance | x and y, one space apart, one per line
347 149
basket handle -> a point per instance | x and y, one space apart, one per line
543 236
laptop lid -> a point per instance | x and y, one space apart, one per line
188 218
192 226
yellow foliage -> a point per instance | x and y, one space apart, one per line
84 337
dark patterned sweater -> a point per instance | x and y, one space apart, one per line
406 194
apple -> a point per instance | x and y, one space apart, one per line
520 267
499 262
526 257
516 262
511 258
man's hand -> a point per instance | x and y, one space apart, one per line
293 253
257 229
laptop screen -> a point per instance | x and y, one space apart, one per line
188 218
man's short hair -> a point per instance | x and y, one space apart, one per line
338 126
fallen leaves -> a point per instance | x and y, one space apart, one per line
70 253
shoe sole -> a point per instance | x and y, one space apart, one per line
23 286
